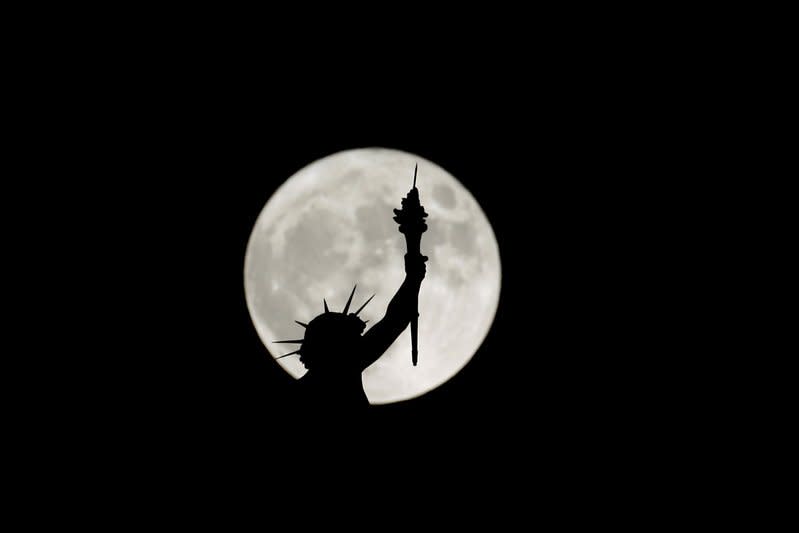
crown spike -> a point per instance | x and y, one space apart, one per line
286 355
303 324
326 309
298 341
364 305
349 301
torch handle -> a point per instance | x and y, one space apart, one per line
415 332
413 247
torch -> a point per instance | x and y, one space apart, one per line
411 224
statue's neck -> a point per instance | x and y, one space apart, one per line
338 374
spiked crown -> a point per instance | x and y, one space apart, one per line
329 327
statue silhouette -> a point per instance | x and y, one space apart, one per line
335 349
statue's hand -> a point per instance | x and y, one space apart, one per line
415 266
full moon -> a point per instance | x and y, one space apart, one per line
329 227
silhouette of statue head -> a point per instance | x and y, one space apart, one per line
326 337
331 339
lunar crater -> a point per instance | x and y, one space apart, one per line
445 196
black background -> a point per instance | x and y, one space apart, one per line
589 155
569 193
583 367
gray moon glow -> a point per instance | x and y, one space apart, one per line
330 226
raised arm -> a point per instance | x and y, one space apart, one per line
398 314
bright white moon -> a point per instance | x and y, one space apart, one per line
330 226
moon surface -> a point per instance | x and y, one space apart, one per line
330 226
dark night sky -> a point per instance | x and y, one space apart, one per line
580 349
583 160
562 198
